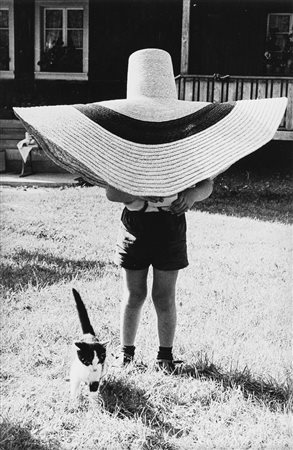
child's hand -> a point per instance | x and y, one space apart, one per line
187 198
183 203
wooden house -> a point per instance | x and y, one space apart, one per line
76 51
238 50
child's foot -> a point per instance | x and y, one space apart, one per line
169 366
126 359
122 360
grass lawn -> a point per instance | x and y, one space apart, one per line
234 325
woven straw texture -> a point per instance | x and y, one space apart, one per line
80 145
151 143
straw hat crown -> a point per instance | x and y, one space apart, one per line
150 74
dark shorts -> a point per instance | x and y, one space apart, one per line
152 238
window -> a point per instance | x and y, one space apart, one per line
6 39
279 44
61 39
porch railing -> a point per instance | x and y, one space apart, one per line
216 88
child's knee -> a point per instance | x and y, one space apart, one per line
135 297
163 301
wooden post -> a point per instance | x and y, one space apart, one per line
185 36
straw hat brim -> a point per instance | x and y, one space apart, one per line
152 147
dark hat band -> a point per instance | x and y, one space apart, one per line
146 132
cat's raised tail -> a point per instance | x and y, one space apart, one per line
83 315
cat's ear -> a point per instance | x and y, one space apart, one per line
80 345
104 344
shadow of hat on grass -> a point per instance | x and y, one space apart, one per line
268 391
123 398
17 437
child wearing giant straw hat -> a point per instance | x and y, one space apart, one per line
158 155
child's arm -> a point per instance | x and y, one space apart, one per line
114 195
187 198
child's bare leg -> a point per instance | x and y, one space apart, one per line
163 294
135 292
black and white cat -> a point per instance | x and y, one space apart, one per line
89 364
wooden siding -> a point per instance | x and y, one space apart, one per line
229 36
11 132
208 88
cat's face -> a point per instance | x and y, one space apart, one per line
91 353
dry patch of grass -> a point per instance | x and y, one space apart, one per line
234 332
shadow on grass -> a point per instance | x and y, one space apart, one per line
124 399
263 195
267 392
16 437
41 269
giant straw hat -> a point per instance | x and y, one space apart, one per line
151 143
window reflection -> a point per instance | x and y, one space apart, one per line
62 40
4 39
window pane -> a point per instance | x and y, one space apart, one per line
74 18
63 41
279 23
54 18
73 60
61 58
4 18
280 42
4 50
4 39
53 37
75 38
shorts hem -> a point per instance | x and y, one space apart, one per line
163 268
178 267
124 266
